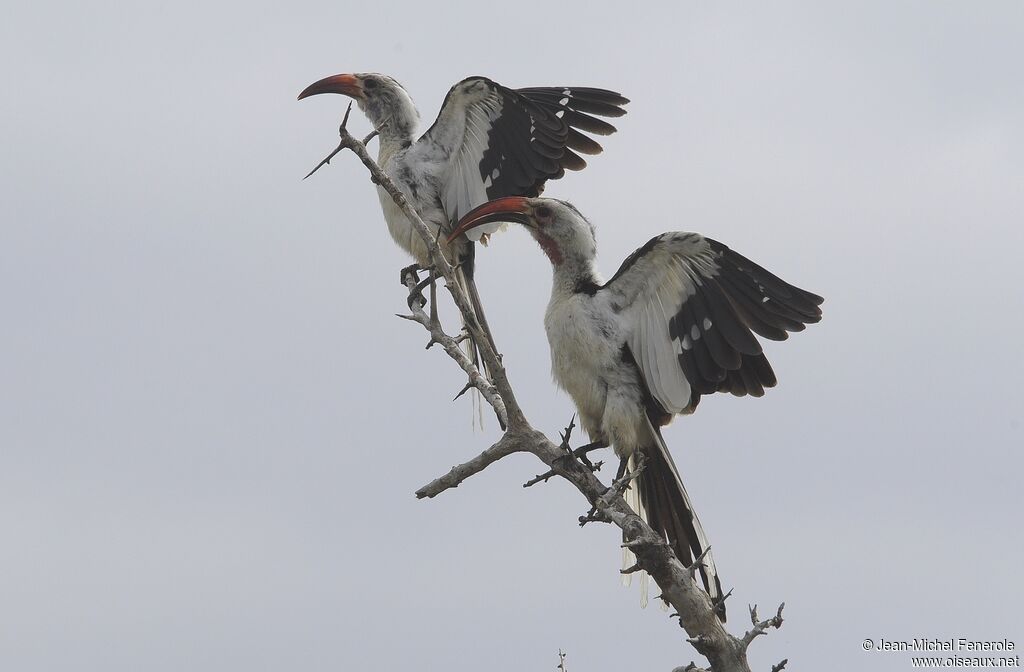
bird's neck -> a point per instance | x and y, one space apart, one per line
389 145
396 126
574 275
394 136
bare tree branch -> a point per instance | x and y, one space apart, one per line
441 267
761 627
451 347
509 443
693 607
570 454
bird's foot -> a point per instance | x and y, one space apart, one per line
413 270
416 295
410 275
623 477
582 452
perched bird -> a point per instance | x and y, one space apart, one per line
487 142
675 322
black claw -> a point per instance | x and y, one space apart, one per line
423 284
412 270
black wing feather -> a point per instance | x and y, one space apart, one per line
545 126
726 300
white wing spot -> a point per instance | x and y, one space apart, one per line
766 299
695 333
563 101
566 92
686 343
559 113
495 174
707 324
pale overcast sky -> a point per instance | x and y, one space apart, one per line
212 426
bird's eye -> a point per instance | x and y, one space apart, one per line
544 211
370 84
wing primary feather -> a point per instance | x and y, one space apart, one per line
710 373
572 161
587 123
762 368
752 314
757 301
581 143
798 299
579 93
735 331
722 353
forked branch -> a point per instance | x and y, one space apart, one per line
695 611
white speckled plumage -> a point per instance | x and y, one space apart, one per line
588 325
487 141
673 323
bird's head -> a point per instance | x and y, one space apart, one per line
383 100
562 232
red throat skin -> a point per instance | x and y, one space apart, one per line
550 247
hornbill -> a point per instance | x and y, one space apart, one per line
675 322
487 142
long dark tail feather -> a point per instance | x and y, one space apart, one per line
464 274
668 510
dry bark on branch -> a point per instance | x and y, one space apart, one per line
696 613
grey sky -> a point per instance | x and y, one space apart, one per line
211 425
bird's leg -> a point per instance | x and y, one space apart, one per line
408 275
431 281
581 454
416 293
624 477
623 464
433 295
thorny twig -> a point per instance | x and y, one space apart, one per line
761 627
341 145
451 347
570 454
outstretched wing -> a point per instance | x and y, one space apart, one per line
693 307
490 141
